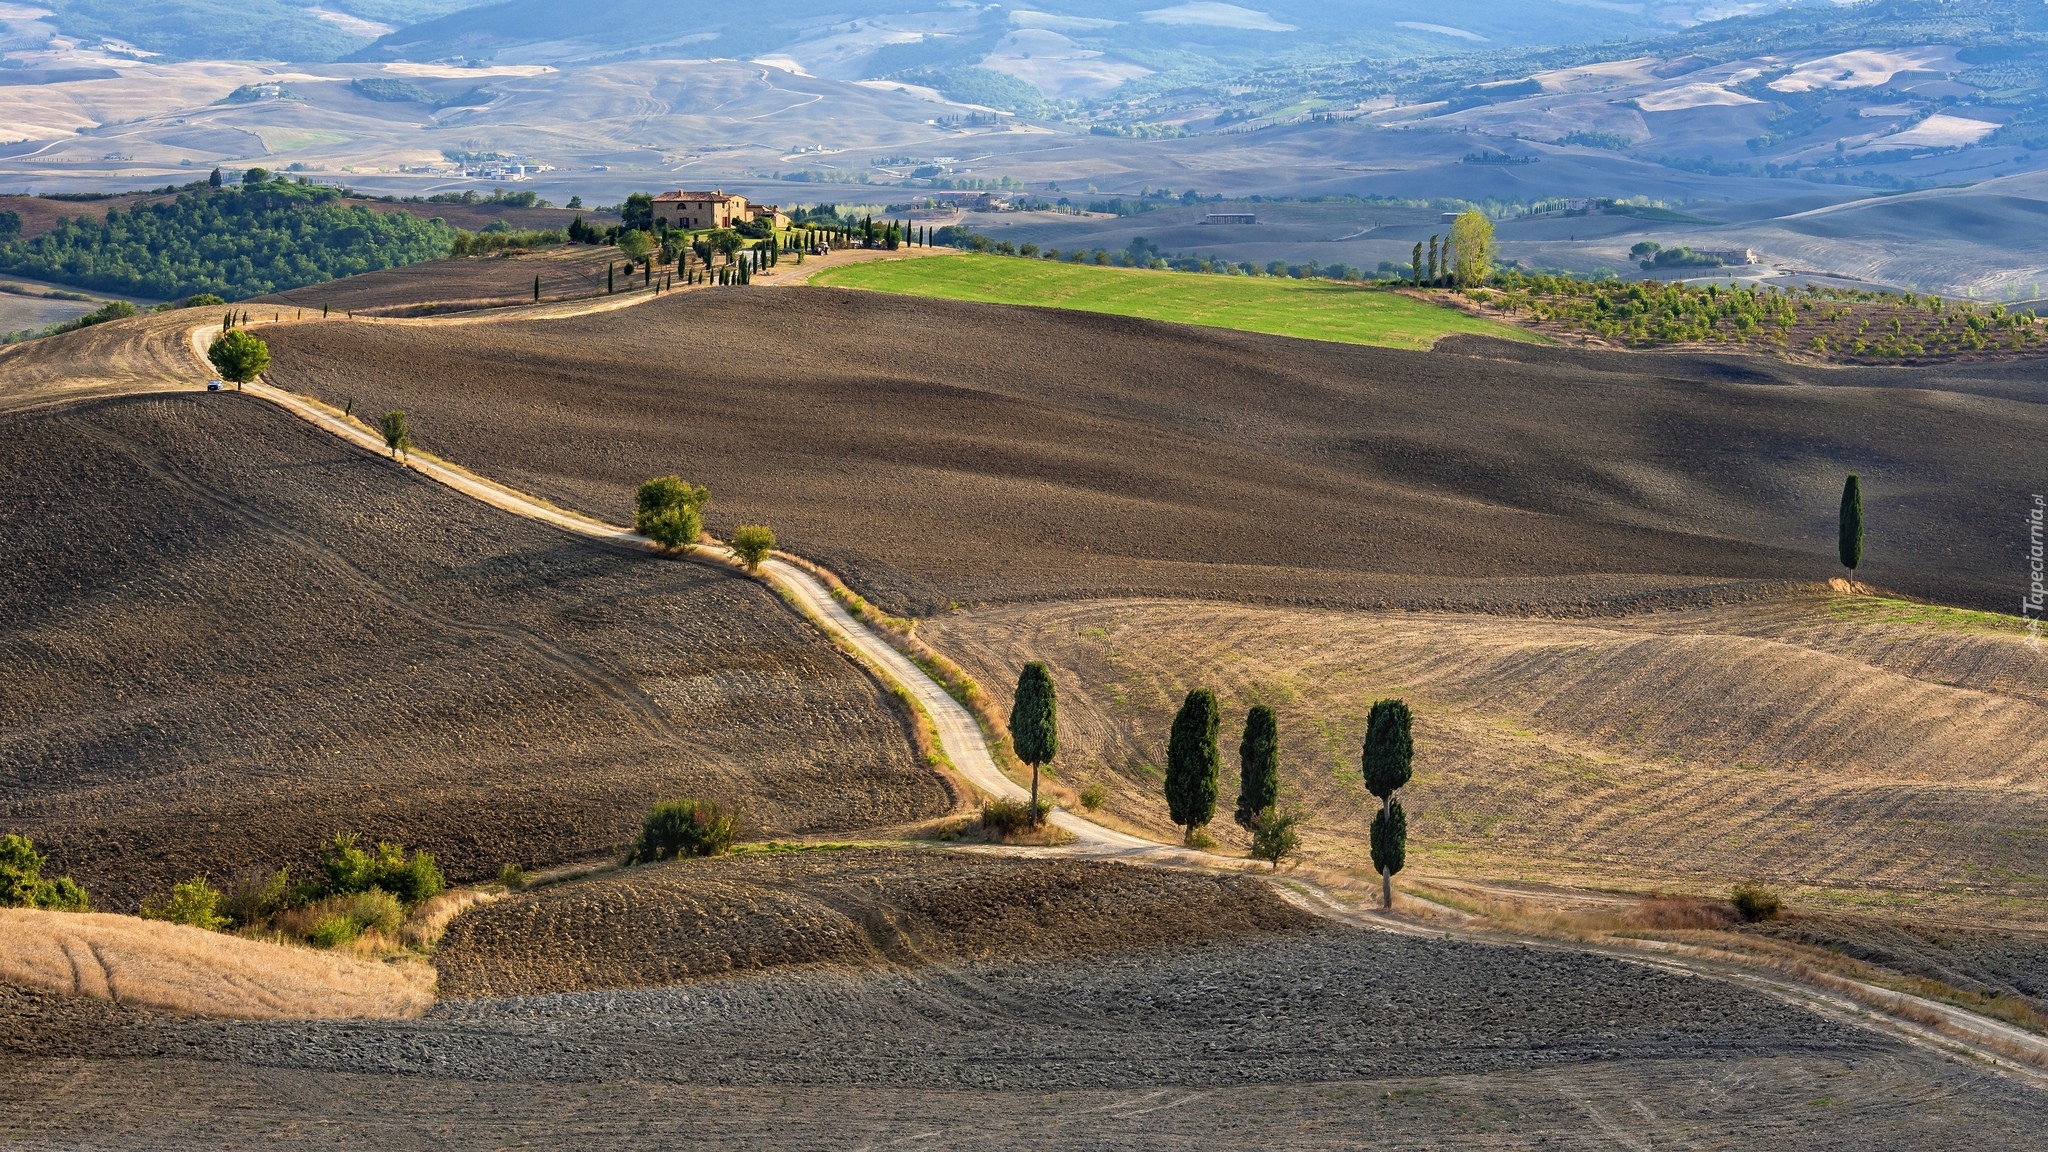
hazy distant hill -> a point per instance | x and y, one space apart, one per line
1065 47
242 29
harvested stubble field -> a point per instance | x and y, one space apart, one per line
858 908
225 636
937 452
461 284
1857 752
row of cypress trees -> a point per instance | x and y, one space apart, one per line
1386 765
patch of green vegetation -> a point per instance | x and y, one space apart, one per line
233 242
1307 309
1885 610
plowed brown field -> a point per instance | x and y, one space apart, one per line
691 920
1865 753
225 636
939 452
466 284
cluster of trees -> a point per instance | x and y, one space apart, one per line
356 889
22 884
1192 762
1848 323
1650 254
669 510
266 235
1464 259
499 240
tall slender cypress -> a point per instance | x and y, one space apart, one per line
1258 780
1034 723
1387 763
536 289
1191 763
1849 531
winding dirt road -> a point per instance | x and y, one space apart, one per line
167 353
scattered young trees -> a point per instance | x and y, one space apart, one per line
670 511
397 434
1849 528
1387 764
751 544
238 357
1034 724
1258 781
1191 763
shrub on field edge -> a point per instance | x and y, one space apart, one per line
341 919
684 828
1094 796
22 884
1003 817
194 903
1753 902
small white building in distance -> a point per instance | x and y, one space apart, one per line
693 210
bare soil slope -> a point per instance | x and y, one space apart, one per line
689 920
462 284
1872 753
940 452
225 636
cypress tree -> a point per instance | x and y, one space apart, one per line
608 270
323 311
647 273
213 180
1191 763
1388 762
1258 779
1034 723
1849 531
536 288
1415 265
1389 844
1432 260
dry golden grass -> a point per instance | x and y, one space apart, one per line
148 964
1851 751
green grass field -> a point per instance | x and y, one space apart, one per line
1310 309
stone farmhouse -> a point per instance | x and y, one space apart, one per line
718 209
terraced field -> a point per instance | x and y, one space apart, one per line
225 636
1860 753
